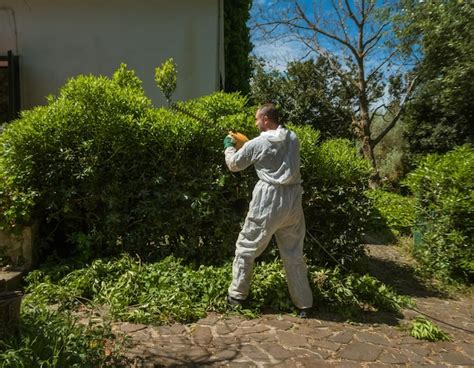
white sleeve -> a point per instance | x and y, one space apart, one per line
239 160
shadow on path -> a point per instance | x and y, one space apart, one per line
389 266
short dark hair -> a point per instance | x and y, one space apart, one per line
270 111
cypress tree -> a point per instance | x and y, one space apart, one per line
237 45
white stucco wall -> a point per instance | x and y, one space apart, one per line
57 39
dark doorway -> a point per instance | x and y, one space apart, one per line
9 87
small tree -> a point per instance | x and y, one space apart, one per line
166 79
357 39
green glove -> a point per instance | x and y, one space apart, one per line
229 142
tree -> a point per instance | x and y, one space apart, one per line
357 39
308 93
441 113
237 45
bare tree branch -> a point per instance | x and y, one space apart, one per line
326 55
395 119
341 22
374 113
376 37
319 30
387 59
351 13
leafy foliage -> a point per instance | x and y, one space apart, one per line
423 329
396 211
441 114
237 45
443 187
166 78
170 291
52 339
104 172
336 209
309 93
392 152
349 293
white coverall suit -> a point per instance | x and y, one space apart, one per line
275 208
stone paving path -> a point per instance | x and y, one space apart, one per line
321 341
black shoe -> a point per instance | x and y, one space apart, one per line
234 302
304 313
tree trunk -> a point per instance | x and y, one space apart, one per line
364 127
368 152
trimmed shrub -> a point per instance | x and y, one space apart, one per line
393 210
336 209
105 172
444 190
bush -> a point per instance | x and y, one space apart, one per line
105 172
393 210
443 186
336 209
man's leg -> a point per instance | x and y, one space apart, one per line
290 242
252 241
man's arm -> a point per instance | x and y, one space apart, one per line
241 159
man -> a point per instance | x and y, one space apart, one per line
275 208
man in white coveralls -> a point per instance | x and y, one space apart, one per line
275 209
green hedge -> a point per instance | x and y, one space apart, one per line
105 172
444 190
393 210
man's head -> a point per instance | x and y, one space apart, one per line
266 117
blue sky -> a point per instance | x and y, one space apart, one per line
278 53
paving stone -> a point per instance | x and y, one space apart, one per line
456 358
279 324
291 339
317 332
324 344
392 356
251 330
170 340
196 353
228 353
254 353
412 356
141 335
225 329
343 364
131 327
341 337
374 338
227 340
360 351
210 320
202 336
260 337
242 365
467 348
444 346
312 361
277 352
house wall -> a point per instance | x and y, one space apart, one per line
58 39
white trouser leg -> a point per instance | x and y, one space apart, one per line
290 240
252 241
